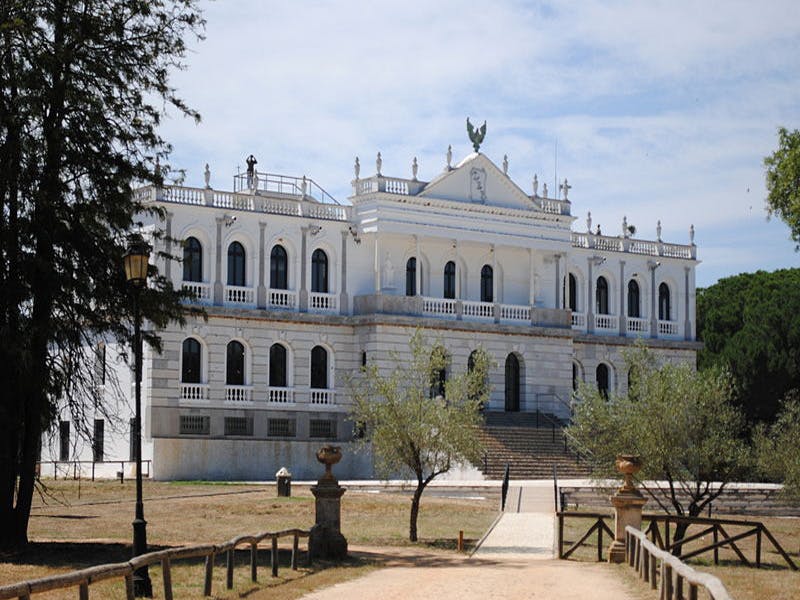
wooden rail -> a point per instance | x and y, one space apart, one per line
85 577
677 580
599 526
716 528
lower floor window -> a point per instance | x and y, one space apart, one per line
322 428
280 428
238 426
195 425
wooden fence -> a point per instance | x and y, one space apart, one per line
85 577
599 526
677 581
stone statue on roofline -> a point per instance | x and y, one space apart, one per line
449 156
535 185
379 164
207 176
357 168
476 135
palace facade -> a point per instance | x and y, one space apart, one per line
300 291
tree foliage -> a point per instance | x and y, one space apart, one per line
776 446
750 324
681 422
83 87
411 430
783 181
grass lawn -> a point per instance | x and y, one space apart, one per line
774 580
75 526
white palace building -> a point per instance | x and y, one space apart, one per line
301 290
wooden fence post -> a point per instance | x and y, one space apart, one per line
653 571
229 566
274 557
295 543
129 586
209 574
253 562
166 574
83 590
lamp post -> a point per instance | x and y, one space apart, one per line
136 262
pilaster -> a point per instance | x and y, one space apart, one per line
218 289
261 291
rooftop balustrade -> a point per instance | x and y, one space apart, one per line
623 244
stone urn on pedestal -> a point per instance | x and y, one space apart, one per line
326 540
628 503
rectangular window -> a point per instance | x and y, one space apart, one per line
63 440
238 426
280 428
195 425
98 440
322 428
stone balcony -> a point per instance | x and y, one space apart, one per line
461 310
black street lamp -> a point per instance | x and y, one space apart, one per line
136 262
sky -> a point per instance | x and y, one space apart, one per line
657 110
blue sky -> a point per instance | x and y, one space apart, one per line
660 110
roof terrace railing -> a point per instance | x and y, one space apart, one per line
285 185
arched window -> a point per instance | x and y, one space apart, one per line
234 365
450 280
663 303
633 299
236 264
192 260
601 296
319 271
471 361
487 284
573 293
512 383
438 376
191 355
411 277
602 379
277 366
319 368
278 271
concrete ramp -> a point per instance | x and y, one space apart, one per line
526 528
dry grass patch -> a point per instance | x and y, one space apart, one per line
76 526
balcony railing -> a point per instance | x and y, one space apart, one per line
240 295
515 312
320 302
667 328
578 320
238 393
320 396
623 244
637 325
606 323
281 395
201 291
282 299
194 391
479 310
439 307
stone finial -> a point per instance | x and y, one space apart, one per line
544 191
505 164
658 230
414 169
589 221
535 184
565 187
303 186
378 164
691 234
207 176
625 232
449 156
254 181
357 168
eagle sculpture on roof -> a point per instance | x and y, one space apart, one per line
476 135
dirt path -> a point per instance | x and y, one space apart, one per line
419 575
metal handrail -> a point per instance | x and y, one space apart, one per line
282 184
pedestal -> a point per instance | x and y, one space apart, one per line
326 539
627 511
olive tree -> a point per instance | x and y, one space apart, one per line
776 446
413 428
681 422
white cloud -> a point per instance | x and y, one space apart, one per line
662 110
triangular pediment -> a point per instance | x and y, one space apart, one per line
477 180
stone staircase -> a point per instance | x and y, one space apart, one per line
530 444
